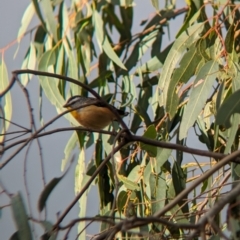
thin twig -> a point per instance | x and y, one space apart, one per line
97 171
198 181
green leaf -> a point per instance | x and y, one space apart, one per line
149 82
60 60
46 6
47 191
236 77
103 41
26 19
182 74
49 234
141 108
134 174
102 78
72 68
237 170
152 134
15 236
38 12
179 47
129 88
39 39
155 4
121 201
63 21
91 167
20 217
229 39
204 185
179 183
140 49
192 15
204 136
46 63
60 69
50 85
232 133
28 63
128 183
215 237
104 225
80 180
220 95
162 156
127 20
71 144
152 65
175 211
85 51
198 96
230 106
158 188
6 100
49 188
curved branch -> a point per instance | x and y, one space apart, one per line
180 148
68 79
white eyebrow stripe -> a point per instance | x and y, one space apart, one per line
74 100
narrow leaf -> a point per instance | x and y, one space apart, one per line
182 74
49 188
103 40
162 156
26 19
72 68
197 99
38 12
158 188
155 4
46 192
128 183
49 234
100 79
140 49
230 106
29 63
50 85
152 65
80 180
15 236
150 133
6 100
71 144
46 6
20 217
121 200
232 133
179 47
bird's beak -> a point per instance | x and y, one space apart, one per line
66 105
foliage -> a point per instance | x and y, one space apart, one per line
146 190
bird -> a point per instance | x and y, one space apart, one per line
95 116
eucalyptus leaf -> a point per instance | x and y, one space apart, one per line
199 94
20 217
230 106
151 134
186 39
5 100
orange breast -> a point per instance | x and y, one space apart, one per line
94 117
